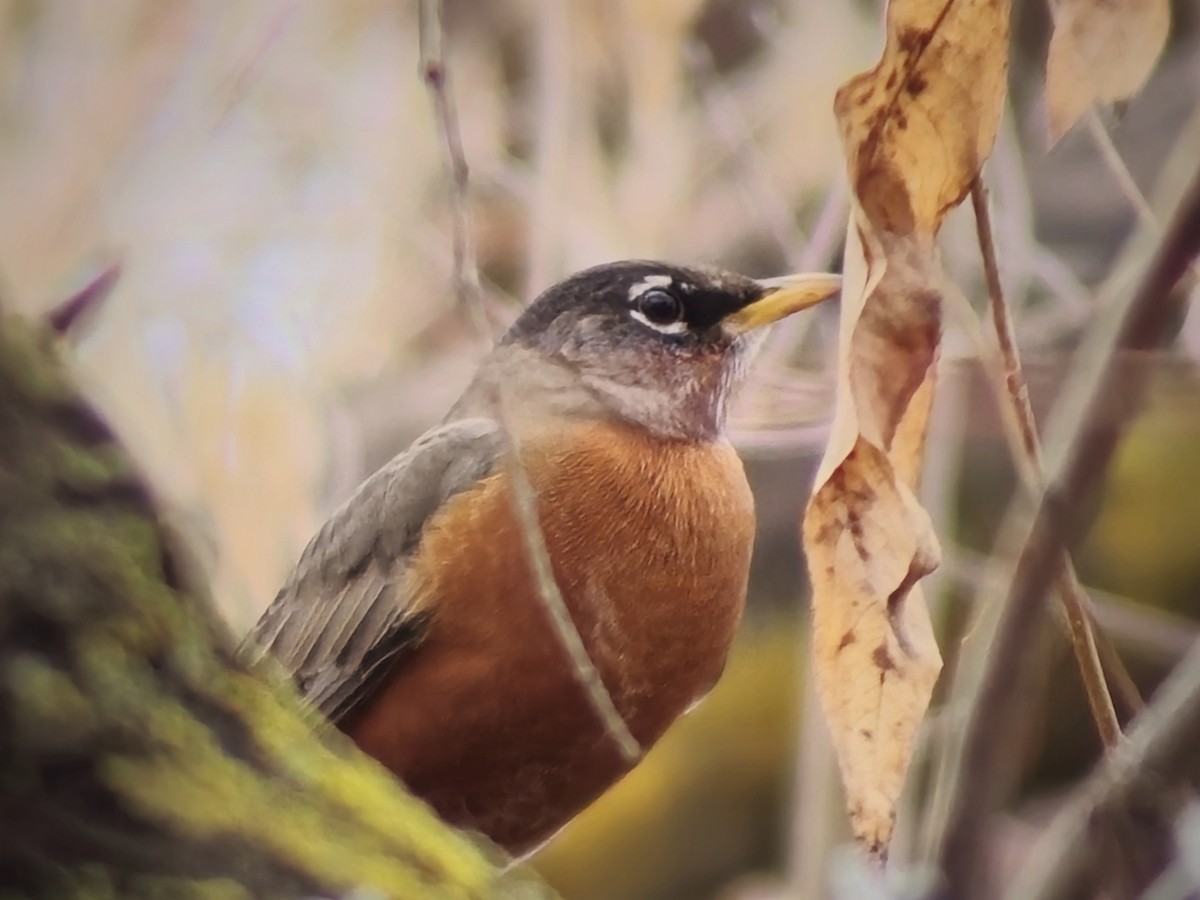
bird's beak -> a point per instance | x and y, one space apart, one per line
784 296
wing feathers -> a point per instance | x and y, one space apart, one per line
344 617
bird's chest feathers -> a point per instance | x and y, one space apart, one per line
650 545
650 542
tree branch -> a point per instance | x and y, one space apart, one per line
1059 523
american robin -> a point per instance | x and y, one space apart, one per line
414 620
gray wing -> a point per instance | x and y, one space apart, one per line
342 620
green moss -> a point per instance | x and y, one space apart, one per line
356 786
84 468
48 711
153 888
96 883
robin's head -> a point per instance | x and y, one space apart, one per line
660 345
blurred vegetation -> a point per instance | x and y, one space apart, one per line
708 800
270 176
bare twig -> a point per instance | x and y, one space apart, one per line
435 74
1124 178
553 602
433 70
802 254
551 143
1120 172
1058 277
1014 378
1165 635
1158 754
734 132
827 230
1033 478
1059 522
1074 603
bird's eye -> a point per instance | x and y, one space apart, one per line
661 310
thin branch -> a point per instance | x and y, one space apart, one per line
433 68
1079 620
1033 478
553 602
1158 755
552 143
730 127
1014 378
827 230
1166 635
1060 520
802 254
436 75
1124 178
829 227
1058 278
1119 171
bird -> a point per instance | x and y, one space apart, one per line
414 620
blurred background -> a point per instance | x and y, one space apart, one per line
271 179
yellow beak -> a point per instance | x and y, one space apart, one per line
785 295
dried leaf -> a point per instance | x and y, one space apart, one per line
1102 50
916 130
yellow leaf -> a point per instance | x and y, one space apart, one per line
916 130
1102 50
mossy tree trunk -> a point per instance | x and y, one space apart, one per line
138 756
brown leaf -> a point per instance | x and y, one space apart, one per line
916 130
928 112
1101 51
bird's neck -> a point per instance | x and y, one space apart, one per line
673 404
686 409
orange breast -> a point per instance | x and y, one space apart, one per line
650 543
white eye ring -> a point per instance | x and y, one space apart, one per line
678 327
